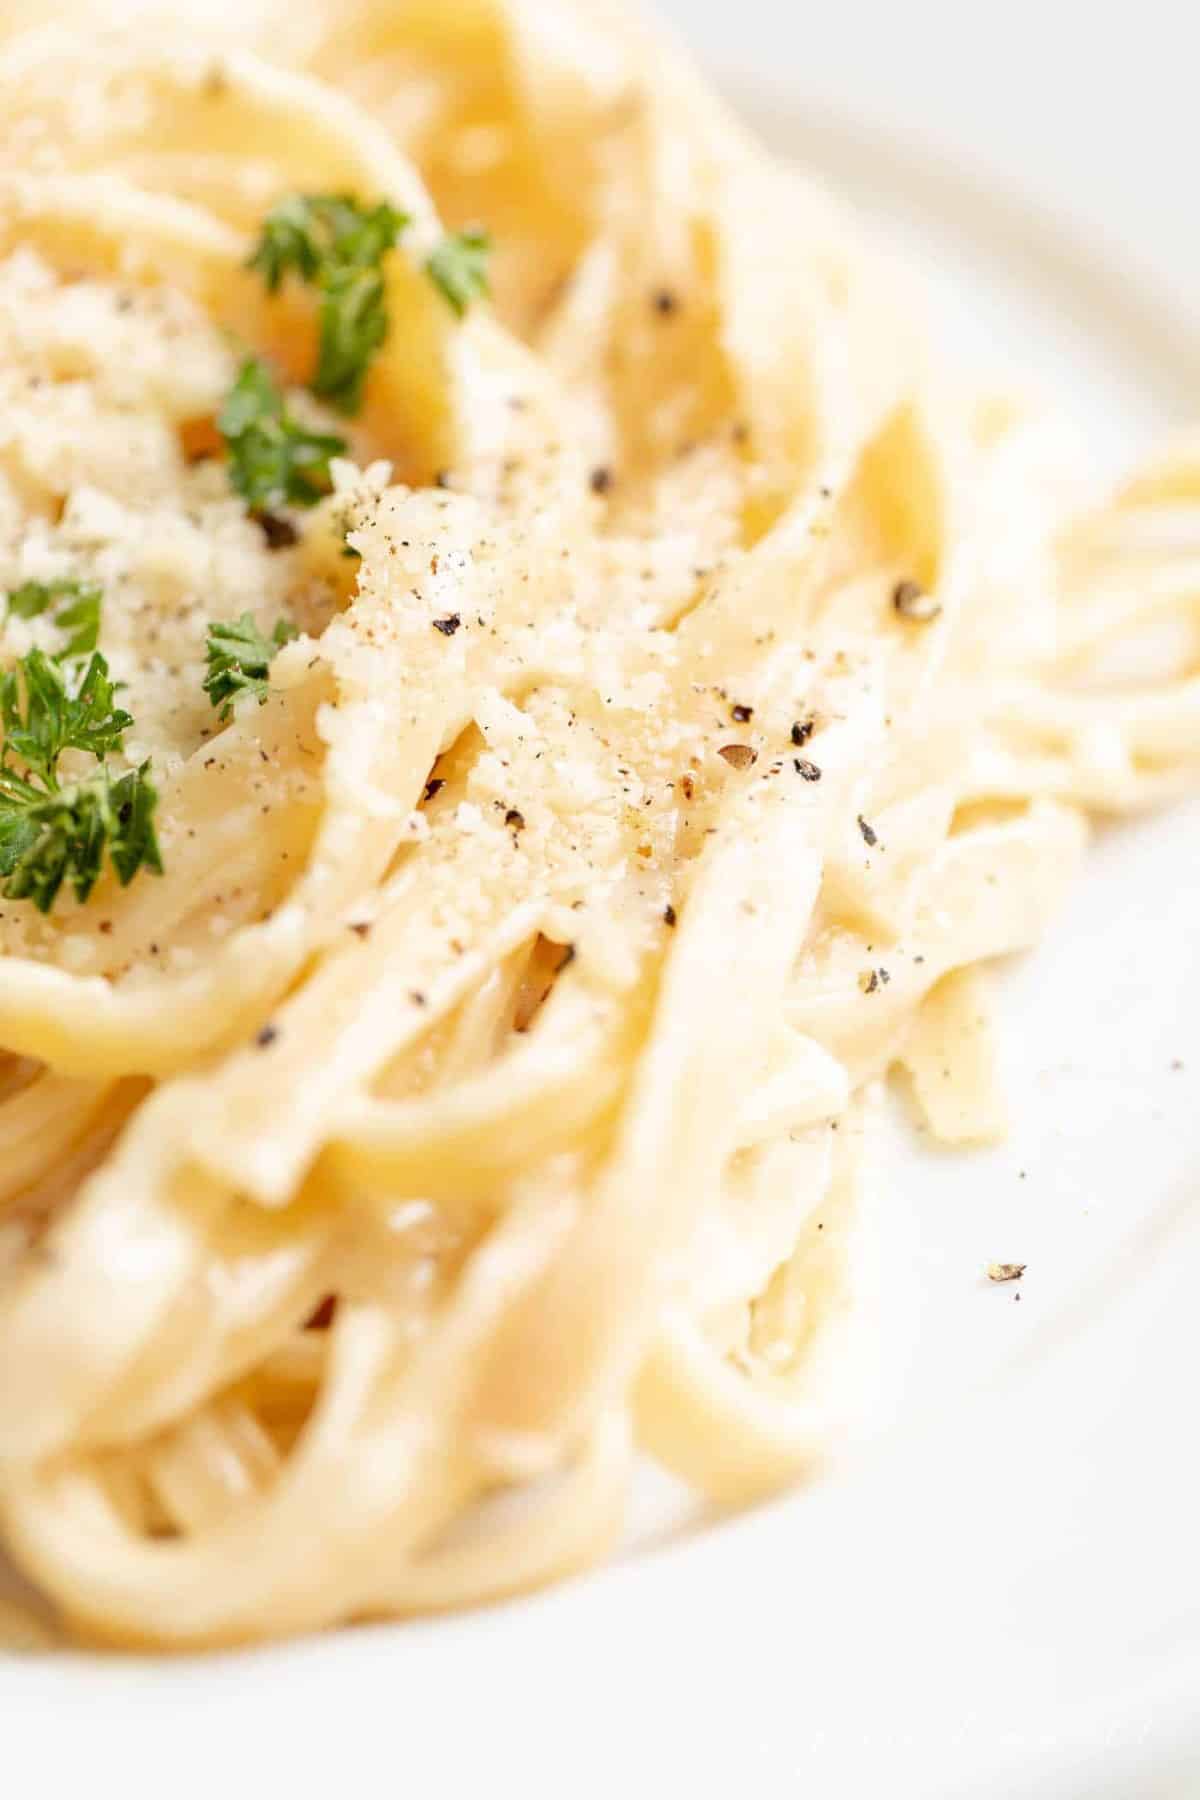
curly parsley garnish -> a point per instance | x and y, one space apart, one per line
336 245
312 233
42 716
239 657
458 267
53 831
274 460
76 610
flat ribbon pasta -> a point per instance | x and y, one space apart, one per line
694 686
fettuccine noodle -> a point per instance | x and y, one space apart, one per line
719 685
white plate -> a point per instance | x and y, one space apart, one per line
1002 1595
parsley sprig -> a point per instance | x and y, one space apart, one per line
311 233
274 460
75 606
239 657
53 831
337 245
458 267
42 716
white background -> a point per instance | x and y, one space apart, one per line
1090 108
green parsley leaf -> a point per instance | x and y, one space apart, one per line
134 846
458 267
274 460
63 834
310 233
353 324
52 833
32 598
239 657
80 618
288 240
42 716
81 621
337 245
